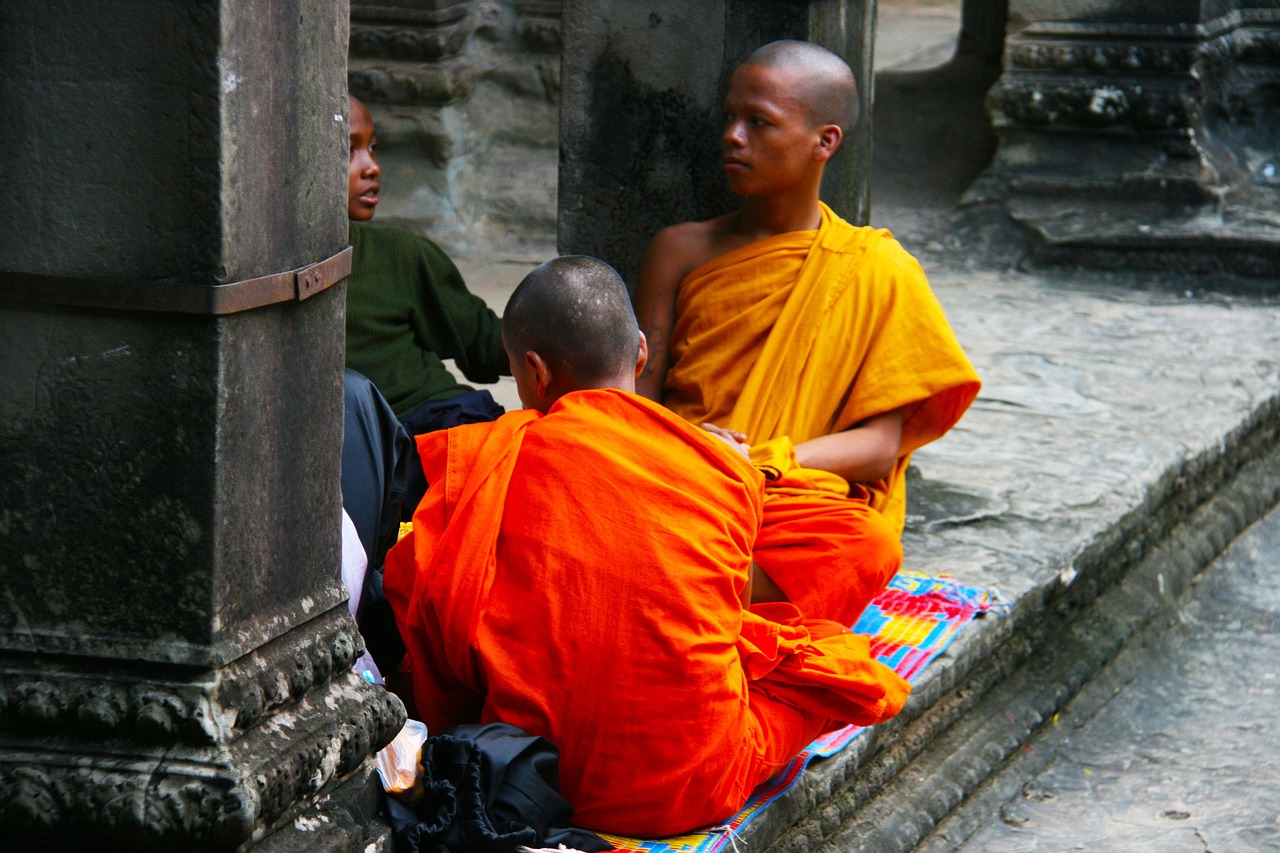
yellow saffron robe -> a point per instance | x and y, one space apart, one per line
805 334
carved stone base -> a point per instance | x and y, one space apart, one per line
411 52
539 24
182 757
1150 145
339 822
1180 239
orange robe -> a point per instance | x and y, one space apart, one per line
577 574
806 334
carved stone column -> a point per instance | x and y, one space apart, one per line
410 51
1142 133
640 116
539 23
175 649
463 96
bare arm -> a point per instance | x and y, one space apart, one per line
666 261
864 453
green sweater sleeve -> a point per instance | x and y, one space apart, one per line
408 309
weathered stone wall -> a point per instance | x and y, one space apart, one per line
465 99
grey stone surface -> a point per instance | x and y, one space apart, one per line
59 71
912 35
1175 746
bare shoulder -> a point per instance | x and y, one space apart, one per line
677 250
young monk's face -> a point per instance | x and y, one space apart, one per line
362 172
769 135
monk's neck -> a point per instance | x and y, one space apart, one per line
764 217
622 382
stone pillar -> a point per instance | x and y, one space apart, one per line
1142 133
175 649
642 105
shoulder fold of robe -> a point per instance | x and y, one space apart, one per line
809 333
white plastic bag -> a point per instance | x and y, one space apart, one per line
398 762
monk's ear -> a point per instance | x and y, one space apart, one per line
642 355
540 371
829 138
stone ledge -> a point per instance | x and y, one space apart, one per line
1236 238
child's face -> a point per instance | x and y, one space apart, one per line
363 171
769 137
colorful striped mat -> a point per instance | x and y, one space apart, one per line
910 624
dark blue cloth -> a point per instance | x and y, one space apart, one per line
470 408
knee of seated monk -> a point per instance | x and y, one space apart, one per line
883 546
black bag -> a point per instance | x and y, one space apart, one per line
488 789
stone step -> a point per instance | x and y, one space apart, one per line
1240 237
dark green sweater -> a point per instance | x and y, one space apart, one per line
408 308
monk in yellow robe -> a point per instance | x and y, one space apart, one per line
581 569
817 342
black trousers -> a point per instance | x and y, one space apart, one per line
469 408
377 460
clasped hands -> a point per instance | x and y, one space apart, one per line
733 438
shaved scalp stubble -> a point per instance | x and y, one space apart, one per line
829 89
575 312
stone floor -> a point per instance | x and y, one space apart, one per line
913 35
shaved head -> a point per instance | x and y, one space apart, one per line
574 311
828 88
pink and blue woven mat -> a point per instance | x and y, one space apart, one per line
910 624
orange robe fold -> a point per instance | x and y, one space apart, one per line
805 334
578 575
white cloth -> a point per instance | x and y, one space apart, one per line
354 565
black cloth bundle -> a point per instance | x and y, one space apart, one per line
488 789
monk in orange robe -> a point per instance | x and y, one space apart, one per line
818 343
581 569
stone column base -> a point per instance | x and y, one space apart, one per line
169 756
1126 144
